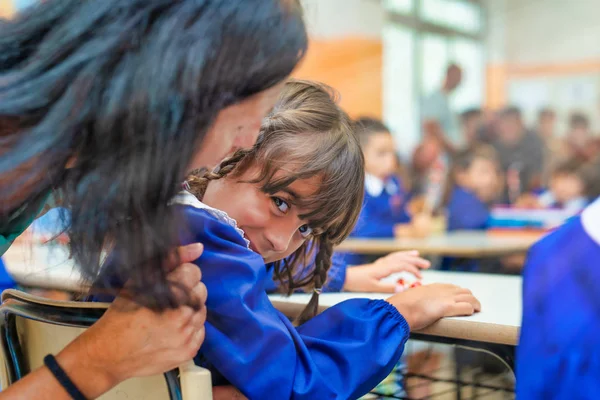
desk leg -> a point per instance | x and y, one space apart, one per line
504 353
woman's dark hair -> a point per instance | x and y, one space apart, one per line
123 92
306 135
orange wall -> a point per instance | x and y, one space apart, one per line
353 67
6 8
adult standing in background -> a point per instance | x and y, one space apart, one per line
521 154
111 103
438 118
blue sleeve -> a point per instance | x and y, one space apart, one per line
369 225
336 276
341 354
467 212
559 350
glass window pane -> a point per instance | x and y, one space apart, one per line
468 54
400 107
456 14
399 6
434 60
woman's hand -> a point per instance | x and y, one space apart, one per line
424 305
130 341
227 393
367 278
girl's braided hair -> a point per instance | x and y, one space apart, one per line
305 135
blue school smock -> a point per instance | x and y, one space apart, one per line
465 212
336 276
384 206
340 354
559 352
6 281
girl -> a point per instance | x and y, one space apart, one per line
302 180
113 102
474 183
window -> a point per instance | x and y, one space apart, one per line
399 6
400 112
459 15
417 48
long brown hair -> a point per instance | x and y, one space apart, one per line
305 135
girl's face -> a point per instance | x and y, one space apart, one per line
271 223
482 177
380 155
236 126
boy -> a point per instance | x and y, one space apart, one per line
385 197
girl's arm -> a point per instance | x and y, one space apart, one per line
340 354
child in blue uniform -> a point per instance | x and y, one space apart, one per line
474 184
301 181
568 188
384 204
559 351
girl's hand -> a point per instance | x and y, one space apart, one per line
367 278
424 305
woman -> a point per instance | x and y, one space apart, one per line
112 103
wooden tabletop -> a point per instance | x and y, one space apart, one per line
498 322
464 244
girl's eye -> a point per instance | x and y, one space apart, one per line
305 230
281 204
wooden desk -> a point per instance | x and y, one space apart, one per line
498 322
463 244
43 266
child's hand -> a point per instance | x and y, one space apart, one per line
422 225
424 305
367 278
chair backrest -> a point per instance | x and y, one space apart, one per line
31 327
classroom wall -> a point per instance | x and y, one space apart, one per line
6 8
336 19
350 65
544 53
345 51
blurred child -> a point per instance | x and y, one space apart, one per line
579 140
567 189
384 204
475 182
471 122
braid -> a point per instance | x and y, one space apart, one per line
322 265
198 179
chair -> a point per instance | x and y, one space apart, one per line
31 327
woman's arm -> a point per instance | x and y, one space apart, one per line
128 341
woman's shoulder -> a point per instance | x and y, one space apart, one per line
208 220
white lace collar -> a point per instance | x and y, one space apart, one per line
374 186
186 198
590 218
